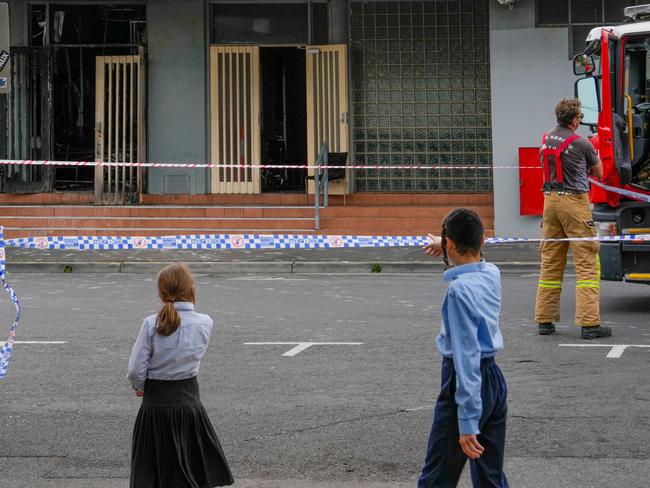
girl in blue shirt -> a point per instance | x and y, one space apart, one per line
174 444
470 414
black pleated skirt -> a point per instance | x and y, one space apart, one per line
174 444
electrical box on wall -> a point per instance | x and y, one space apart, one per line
531 197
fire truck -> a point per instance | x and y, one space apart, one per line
614 88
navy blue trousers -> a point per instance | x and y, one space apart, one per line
445 459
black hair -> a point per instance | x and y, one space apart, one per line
464 227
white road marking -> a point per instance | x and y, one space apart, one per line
39 342
615 351
265 278
301 346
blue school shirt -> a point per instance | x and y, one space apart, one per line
173 357
470 332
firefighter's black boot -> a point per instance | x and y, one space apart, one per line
596 332
546 328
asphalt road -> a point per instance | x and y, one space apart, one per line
332 415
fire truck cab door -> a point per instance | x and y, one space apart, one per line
612 128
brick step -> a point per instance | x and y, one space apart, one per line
385 225
301 199
363 214
265 212
54 198
235 223
280 212
15 233
356 225
87 198
155 223
352 222
455 199
419 211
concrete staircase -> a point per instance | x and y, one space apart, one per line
363 214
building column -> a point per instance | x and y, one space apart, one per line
177 80
514 42
338 21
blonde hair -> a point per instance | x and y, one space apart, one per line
175 284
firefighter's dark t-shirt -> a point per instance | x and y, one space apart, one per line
577 158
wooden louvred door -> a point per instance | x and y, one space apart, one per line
234 121
327 105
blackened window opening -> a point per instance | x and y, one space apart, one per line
73 37
274 23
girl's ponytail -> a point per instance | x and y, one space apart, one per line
175 284
168 319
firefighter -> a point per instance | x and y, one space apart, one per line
567 160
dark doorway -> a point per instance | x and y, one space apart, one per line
73 36
284 117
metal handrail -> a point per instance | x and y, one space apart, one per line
320 185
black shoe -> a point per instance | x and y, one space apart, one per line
596 332
546 328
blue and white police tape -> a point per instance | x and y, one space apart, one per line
261 241
8 346
217 241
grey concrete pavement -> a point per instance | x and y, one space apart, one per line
331 416
515 257
522 472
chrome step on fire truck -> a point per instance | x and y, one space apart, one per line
615 93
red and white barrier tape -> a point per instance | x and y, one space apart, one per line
641 197
29 162
189 165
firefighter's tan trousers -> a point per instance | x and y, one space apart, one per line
568 215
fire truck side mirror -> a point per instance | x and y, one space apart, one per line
583 65
586 90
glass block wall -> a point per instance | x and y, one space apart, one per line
421 94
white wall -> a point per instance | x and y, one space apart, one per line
530 72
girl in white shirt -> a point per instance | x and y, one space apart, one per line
174 444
